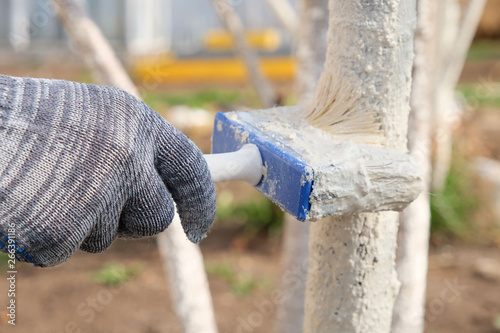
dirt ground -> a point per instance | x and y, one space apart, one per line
459 298
67 299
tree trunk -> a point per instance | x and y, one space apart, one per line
311 51
311 47
413 238
91 45
441 48
285 13
233 24
19 25
182 259
455 39
294 262
183 263
467 29
144 30
352 284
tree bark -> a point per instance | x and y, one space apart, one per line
352 285
311 52
413 238
233 24
182 260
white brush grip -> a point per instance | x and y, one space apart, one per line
244 164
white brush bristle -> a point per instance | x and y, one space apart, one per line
338 109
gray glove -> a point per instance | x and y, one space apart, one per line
82 164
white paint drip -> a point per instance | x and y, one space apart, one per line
264 170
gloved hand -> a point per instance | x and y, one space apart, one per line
82 164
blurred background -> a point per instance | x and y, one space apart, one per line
184 64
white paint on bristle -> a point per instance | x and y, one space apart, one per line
349 178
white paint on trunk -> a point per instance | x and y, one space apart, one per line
188 282
359 94
413 247
352 284
413 237
363 95
311 51
294 263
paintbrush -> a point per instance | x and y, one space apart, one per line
306 171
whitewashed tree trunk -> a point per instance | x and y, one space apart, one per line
413 238
285 13
466 31
19 25
445 109
182 259
311 47
92 46
311 52
441 43
352 284
455 38
145 32
233 24
190 292
294 262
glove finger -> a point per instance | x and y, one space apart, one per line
104 232
185 172
149 211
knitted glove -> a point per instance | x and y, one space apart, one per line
82 164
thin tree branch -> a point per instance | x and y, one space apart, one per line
285 13
233 24
468 26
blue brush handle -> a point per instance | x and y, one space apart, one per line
286 180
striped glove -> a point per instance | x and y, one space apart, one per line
82 164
